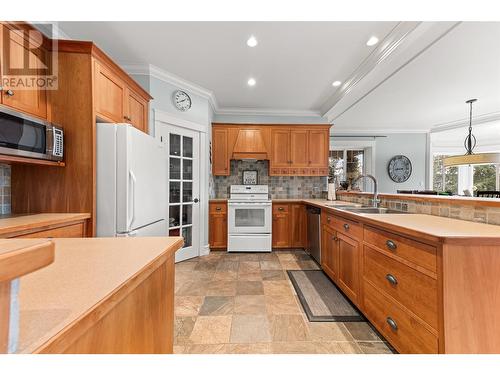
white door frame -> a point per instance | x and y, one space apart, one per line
161 117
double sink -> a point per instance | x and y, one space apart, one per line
365 209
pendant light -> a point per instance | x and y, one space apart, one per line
470 142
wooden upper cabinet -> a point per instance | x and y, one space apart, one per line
220 155
109 95
280 148
299 148
136 111
318 147
30 101
249 145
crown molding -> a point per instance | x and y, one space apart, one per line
387 46
371 132
477 120
163 75
240 111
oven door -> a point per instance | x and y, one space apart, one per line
246 217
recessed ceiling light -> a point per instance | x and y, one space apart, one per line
251 82
252 41
336 83
372 41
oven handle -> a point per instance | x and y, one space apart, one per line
254 204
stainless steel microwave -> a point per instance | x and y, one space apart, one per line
21 135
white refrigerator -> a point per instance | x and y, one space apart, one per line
131 183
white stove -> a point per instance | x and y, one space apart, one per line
249 224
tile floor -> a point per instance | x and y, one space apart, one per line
245 303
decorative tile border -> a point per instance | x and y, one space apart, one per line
454 210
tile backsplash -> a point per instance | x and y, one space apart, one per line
280 187
4 189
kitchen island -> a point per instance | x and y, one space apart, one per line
101 295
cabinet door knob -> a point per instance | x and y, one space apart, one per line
9 93
280 208
346 226
391 279
392 323
218 208
391 245
328 219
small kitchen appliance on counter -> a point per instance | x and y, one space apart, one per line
249 219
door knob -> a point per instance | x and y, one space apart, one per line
196 200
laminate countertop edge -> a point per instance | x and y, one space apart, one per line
23 222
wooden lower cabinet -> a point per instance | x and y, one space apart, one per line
349 273
69 231
329 252
217 225
281 226
298 230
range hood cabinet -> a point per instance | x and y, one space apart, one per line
250 146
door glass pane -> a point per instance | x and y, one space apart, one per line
187 147
175 192
354 167
175 144
174 232
173 216
187 169
187 212
187 191
186 233
175 169
249 217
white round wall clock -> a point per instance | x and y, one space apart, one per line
399 168
181 100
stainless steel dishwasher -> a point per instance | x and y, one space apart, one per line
314 232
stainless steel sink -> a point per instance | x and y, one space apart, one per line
372 210
342 206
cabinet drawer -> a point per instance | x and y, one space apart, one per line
413 251
414 290
346 226
69 231
220 207
281 208
409 335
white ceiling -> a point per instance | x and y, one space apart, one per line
294 63
422 83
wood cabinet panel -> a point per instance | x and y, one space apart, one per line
136 111
33 101
348 275
281 226
298 230
318 148
421 254
217 225
280 149
220 155
69 231
414 290
329 253
109 93
407 334
299 148
348 227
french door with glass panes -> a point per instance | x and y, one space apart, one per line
182 146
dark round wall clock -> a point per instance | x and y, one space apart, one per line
399 168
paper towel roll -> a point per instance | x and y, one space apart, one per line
331 192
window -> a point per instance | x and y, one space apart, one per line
467 177
346 165
444 179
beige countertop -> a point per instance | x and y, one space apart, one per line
85 272
428 226
18 223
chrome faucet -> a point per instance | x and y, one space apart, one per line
376 201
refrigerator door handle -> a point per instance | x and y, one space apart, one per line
133 181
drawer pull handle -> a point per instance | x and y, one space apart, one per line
391 245
346 226
391 279
280 208
392 323
218 208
